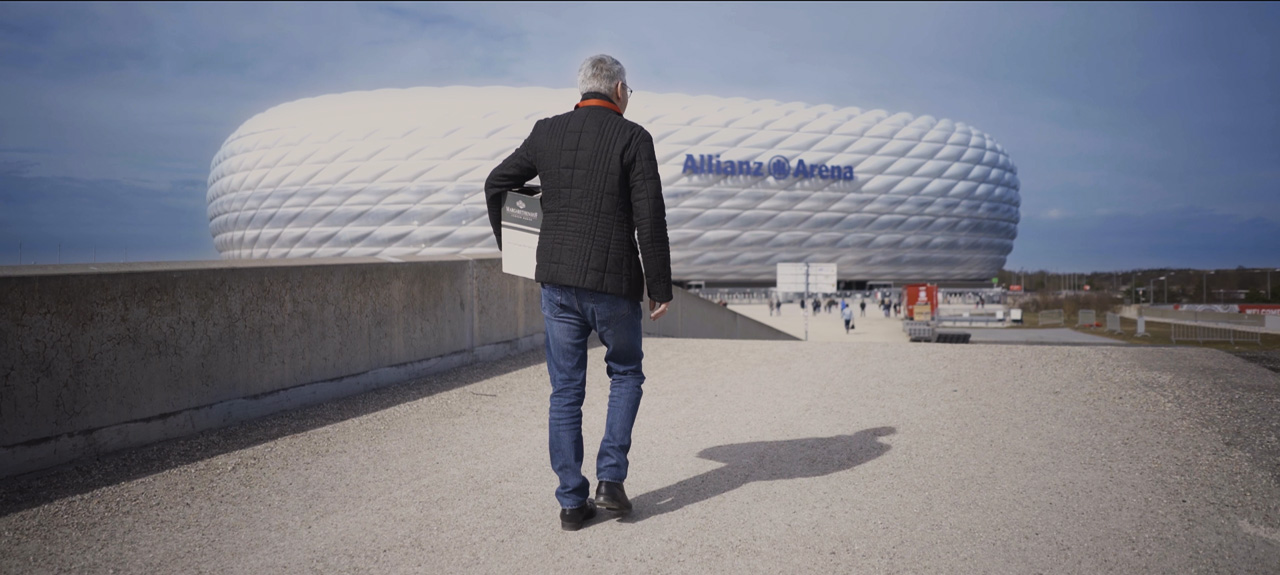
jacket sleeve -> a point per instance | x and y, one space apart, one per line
650 214
513 172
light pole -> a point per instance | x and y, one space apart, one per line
1204 297
1151 291
1166 287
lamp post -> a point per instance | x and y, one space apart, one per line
1204 297
1166 288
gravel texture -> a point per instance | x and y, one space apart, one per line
757 457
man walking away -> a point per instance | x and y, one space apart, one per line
862 308
602 214
848 318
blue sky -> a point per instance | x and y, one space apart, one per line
1145 134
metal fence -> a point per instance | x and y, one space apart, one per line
919 330
764 295
908 324
1052 316
1203 333
1113 323
1087 317
971 319
738 296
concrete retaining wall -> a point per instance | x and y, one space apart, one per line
103 357
1204 316
97 358
1245 322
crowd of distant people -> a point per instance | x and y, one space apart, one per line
890 305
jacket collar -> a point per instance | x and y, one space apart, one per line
598 99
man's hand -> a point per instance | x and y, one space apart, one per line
657 310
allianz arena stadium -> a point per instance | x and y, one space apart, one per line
747 183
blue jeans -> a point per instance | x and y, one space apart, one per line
571 315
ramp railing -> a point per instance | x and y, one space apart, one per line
1202 333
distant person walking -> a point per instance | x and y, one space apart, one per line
847 312
862 307
771 308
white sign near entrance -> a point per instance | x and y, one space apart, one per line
792 278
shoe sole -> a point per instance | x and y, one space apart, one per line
611 506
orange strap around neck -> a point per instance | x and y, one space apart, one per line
601 103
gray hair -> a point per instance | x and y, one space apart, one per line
600 73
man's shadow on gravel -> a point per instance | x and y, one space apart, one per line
763 461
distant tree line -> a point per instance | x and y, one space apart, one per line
1182 285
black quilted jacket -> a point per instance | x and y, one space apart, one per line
601 195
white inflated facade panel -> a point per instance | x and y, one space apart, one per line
401 172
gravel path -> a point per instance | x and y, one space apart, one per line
757 457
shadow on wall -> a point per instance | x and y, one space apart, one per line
35 489
763 461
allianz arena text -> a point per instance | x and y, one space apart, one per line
747 183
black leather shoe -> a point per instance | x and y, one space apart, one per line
609 495
572 519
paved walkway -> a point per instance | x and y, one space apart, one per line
749 457
828 326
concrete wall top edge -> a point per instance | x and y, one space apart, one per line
148 267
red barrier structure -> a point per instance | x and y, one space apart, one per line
921 294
